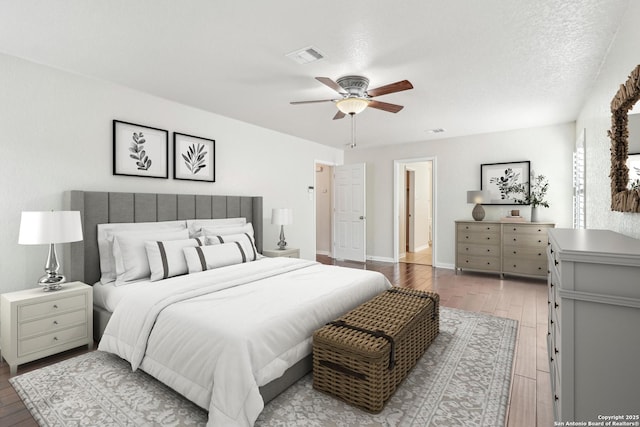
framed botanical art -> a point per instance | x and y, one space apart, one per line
140 150
194 158
507 183
633 163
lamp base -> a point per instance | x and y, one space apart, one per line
52 282
282 244
478 212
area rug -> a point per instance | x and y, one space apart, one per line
462 380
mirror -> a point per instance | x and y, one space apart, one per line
622 198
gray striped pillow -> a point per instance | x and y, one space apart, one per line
166 258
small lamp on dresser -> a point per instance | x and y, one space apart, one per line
282 217
477 197
49 228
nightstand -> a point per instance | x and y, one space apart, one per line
36 324
289 253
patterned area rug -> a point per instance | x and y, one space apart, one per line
463 380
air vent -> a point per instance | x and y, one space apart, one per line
436 130
306 55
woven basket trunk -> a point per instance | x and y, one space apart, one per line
363 356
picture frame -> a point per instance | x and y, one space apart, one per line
633 163
194 158
140 150
507 183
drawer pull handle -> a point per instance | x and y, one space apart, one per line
55 305
55 338
552 284
556 262
539 241
539 268
488 250
515 252
552 361
556 350
555 396
466 237
488 263
556 304
539 230
55 322
488 238
514 266
551 321
551 248
539 254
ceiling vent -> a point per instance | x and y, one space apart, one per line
436 130
306 55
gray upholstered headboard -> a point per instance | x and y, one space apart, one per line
97 207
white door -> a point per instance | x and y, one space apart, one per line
349 212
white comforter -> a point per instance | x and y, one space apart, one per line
217 336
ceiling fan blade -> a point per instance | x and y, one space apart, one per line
385 106
339 115
312 102
390 88
333 85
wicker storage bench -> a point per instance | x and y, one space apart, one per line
363 356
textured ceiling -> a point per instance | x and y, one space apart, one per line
476 66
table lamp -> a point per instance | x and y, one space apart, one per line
49 228
282 217
477 197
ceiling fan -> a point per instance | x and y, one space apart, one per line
355 96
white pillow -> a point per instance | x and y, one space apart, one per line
203 258
247 242
105 241
225 231
166 258
130 255
195 225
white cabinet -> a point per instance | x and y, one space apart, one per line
36 324
594 324
502 247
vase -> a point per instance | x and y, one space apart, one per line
534 214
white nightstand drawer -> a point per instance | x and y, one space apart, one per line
32 311
52 323
52 339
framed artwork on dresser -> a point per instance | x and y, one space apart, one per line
194 158
140 150
507 183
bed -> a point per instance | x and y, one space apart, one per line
230 338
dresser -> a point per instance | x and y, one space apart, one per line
593 335
502 247
36 324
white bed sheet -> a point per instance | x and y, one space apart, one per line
239 328
108 295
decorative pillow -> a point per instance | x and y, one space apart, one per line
247 242
203 258
166 258
130 256
195 225
105 241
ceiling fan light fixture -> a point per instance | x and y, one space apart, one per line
352 105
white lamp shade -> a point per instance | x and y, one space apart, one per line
477 197
352 105
282 216
38 228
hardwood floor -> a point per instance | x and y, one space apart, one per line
520 299
421 257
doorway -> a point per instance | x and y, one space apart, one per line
324 209
414 211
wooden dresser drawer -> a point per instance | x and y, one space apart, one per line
51 323
524 266
479 227
528 252
42 309
53 339
537 240
536 229
479 263
474 249
480 238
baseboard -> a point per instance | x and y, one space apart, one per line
379 258
421 248
444 265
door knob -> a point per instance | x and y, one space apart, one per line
361 217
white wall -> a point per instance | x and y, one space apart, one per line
595 117
56 136
456 170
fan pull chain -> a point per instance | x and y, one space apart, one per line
353 130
